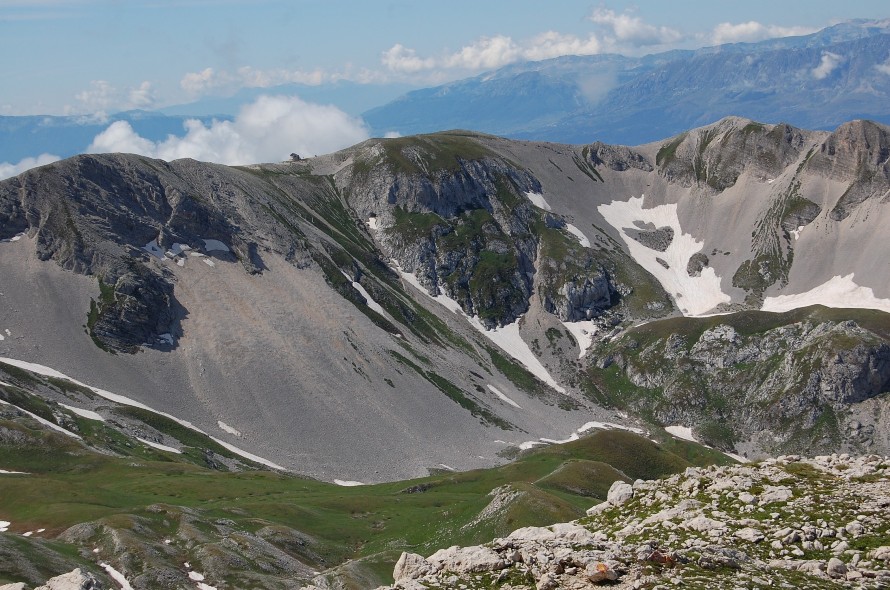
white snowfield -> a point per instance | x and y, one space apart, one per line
593 425
371 303
578 234
5 472
88 414
158 446
116 576
694 295
346 483
583 332
49 372
226 428
43 421
836 292
502 396
683 432
506 337
538 201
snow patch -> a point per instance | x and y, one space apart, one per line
347 483
90 415
836 292
683 432
2 338
538 201
176 249
158 446
694 295
503 397
116 576
507 337
225 427
583 333
371 303
5 472
166 338
448 467
43 421
46 371
203 586
596 425
28 534
246 455
578 234
195 576
153 249
211 245
796 233
4 525
209 262
49 372
373 223
180 262
577 434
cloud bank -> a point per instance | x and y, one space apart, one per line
266 130
8 170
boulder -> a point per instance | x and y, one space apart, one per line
619 493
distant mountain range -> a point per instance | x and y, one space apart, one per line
816 81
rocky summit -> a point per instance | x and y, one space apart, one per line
789 522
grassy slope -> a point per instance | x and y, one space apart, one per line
68 484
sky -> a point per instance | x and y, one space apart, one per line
94 57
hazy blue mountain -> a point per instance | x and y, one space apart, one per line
816 81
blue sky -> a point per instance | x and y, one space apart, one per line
89 56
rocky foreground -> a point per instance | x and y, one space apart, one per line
788 522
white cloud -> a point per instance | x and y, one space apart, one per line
884 68
399 58
102 97
489 53
553 44
143 96
269 129
485 54
630 29
753 31
8 170
829 63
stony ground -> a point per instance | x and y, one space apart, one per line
782 523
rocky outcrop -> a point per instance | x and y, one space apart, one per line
790 387
714 157
815 523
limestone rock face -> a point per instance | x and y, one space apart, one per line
75 580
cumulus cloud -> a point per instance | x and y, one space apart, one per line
399 58
884 68
268 129
490 52
8 170
828 64
630 29
753 31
